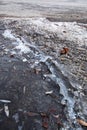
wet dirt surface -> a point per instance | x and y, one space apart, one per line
27 74
17 76
43 73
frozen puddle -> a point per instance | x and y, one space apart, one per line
65 31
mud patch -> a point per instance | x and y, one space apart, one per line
41 83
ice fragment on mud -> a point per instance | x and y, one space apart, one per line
5 101
19 43
6 109
63 90
24 89
7 34
24 60
16 117
49 92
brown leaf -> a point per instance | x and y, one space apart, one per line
11 56
56 116
65 50
43 114
59 123
52 110
45 125
37 70
32 114
81 122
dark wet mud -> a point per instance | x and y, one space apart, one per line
43 95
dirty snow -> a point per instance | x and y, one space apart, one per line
19 44
5 101
71 31
8 34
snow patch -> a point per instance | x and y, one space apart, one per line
71 31
19 44
5 101
7 34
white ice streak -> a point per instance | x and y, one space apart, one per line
16 117
7 34
19 44
5 101
49 92
6 109
24 60
63 90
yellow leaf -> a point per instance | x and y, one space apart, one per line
81 122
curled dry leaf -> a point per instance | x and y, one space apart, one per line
56 116
65 50
37 70
12 56
52 110
59 123
32 114
45 125
81 122
45 120
43 114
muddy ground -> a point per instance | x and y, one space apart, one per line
40 88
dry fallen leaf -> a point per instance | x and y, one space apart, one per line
56 116
45 125
12 56
45 120
81 122
43 114
32 114
65 50
37 70
52 110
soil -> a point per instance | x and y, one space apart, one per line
25 84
